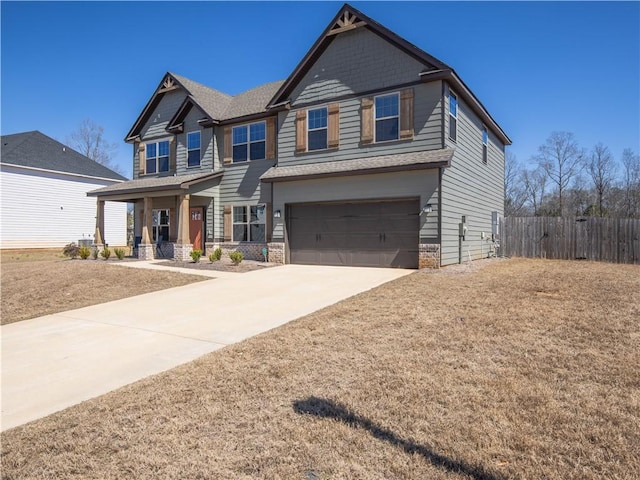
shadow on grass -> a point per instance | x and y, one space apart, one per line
324 408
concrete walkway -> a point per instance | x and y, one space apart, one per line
53 362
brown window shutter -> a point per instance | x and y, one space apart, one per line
142 158
173 225
227 147
227 225
173 153
406 114
301 131
271 138
366 119
334 126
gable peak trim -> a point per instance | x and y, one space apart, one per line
348 20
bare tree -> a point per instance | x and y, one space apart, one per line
560 157
89 140
514 194
534 183
631 183
602 170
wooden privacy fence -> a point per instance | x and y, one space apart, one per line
615 240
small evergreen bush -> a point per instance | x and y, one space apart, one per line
215 255
236 257
105 253
195 255
70 250
94 253
119 253
84 252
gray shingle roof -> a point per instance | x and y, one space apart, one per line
151 184
36 150
379 164
252 101
213 101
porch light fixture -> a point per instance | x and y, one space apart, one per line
427 208
276 214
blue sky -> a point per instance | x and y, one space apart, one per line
537 67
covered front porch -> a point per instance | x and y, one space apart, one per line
173 215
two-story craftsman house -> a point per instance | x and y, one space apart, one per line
371 153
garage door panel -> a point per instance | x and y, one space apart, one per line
383 233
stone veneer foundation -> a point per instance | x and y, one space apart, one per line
182 252
429 255
276 252
146 251
250 251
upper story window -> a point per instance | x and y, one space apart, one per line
249 223
249 142
453 116
318 127
157 154
387 115
485 144
193 149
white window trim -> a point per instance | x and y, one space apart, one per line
248 223
375 119
146 155
309 129
190 149
248 142
451 93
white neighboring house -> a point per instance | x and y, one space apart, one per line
43 192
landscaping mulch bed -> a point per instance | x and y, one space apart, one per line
520 369
222 265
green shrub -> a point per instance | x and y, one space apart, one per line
70 250
236 257
84 252
195 255
215 255
119 253
105 253
94 253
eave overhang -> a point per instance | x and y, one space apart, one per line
153 186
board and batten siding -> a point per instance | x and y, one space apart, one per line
469 187
49 210
354 62
395 185
426 123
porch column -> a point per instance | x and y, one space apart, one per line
145 249
99 233
183 248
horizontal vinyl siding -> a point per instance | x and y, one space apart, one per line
470 187
427 121
422 183
167 107
32 215
206 145
241 185
355 62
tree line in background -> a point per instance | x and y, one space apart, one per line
565 179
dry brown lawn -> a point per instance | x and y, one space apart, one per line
41 282
523 369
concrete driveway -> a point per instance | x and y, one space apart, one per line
53 362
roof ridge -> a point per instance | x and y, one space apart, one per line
182 77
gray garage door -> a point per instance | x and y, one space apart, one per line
371 234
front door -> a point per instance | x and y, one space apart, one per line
196 221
